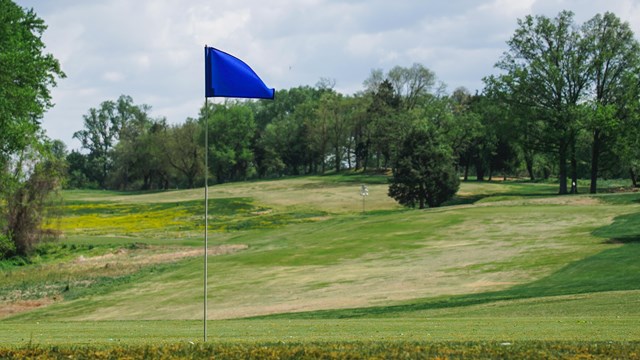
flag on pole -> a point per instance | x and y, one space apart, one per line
228 76
225 76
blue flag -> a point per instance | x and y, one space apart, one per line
228 76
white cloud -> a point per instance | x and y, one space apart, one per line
363 44
153 49
142 61
507 8
113 76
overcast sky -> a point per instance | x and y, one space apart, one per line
153 51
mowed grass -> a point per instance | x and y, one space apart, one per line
512 262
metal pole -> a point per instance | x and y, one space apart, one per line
206 208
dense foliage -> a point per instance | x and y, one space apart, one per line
424 173
566 106
29 169
574 86
26 75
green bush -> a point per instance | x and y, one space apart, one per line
7 247
424 174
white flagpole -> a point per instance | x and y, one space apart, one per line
206 208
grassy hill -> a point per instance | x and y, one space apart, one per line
290 257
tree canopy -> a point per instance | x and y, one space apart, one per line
27 75
560 75
29 165
565 106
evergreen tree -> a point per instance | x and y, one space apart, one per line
425 174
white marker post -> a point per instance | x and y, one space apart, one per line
364 192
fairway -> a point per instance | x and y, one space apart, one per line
440 328
504 262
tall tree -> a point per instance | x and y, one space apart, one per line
386 128
547 64
453 118
104 126
99 136
283 143
77 171
183 151
524 129
614 56
317 123
39 173
411 83
333 109
627 145
28 173
231 130
27 74
140 159
360 139
394 98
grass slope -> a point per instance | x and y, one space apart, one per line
511 261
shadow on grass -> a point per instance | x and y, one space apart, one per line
472 199
614 269
620 199
624 240
623 229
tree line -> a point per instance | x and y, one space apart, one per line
565 105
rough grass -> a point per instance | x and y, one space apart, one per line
179 220
342 350
512 261
354 261
72 272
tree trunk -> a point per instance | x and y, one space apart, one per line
365 156
466 171
357 149
421 196
634 177
145 182
562 173
479 170
103 182
595 155
528 159
574 169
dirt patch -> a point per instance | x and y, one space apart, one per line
618 190
117 263
481 284
8 309
211 251
567 200
154 258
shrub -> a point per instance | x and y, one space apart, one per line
424 173
7 247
